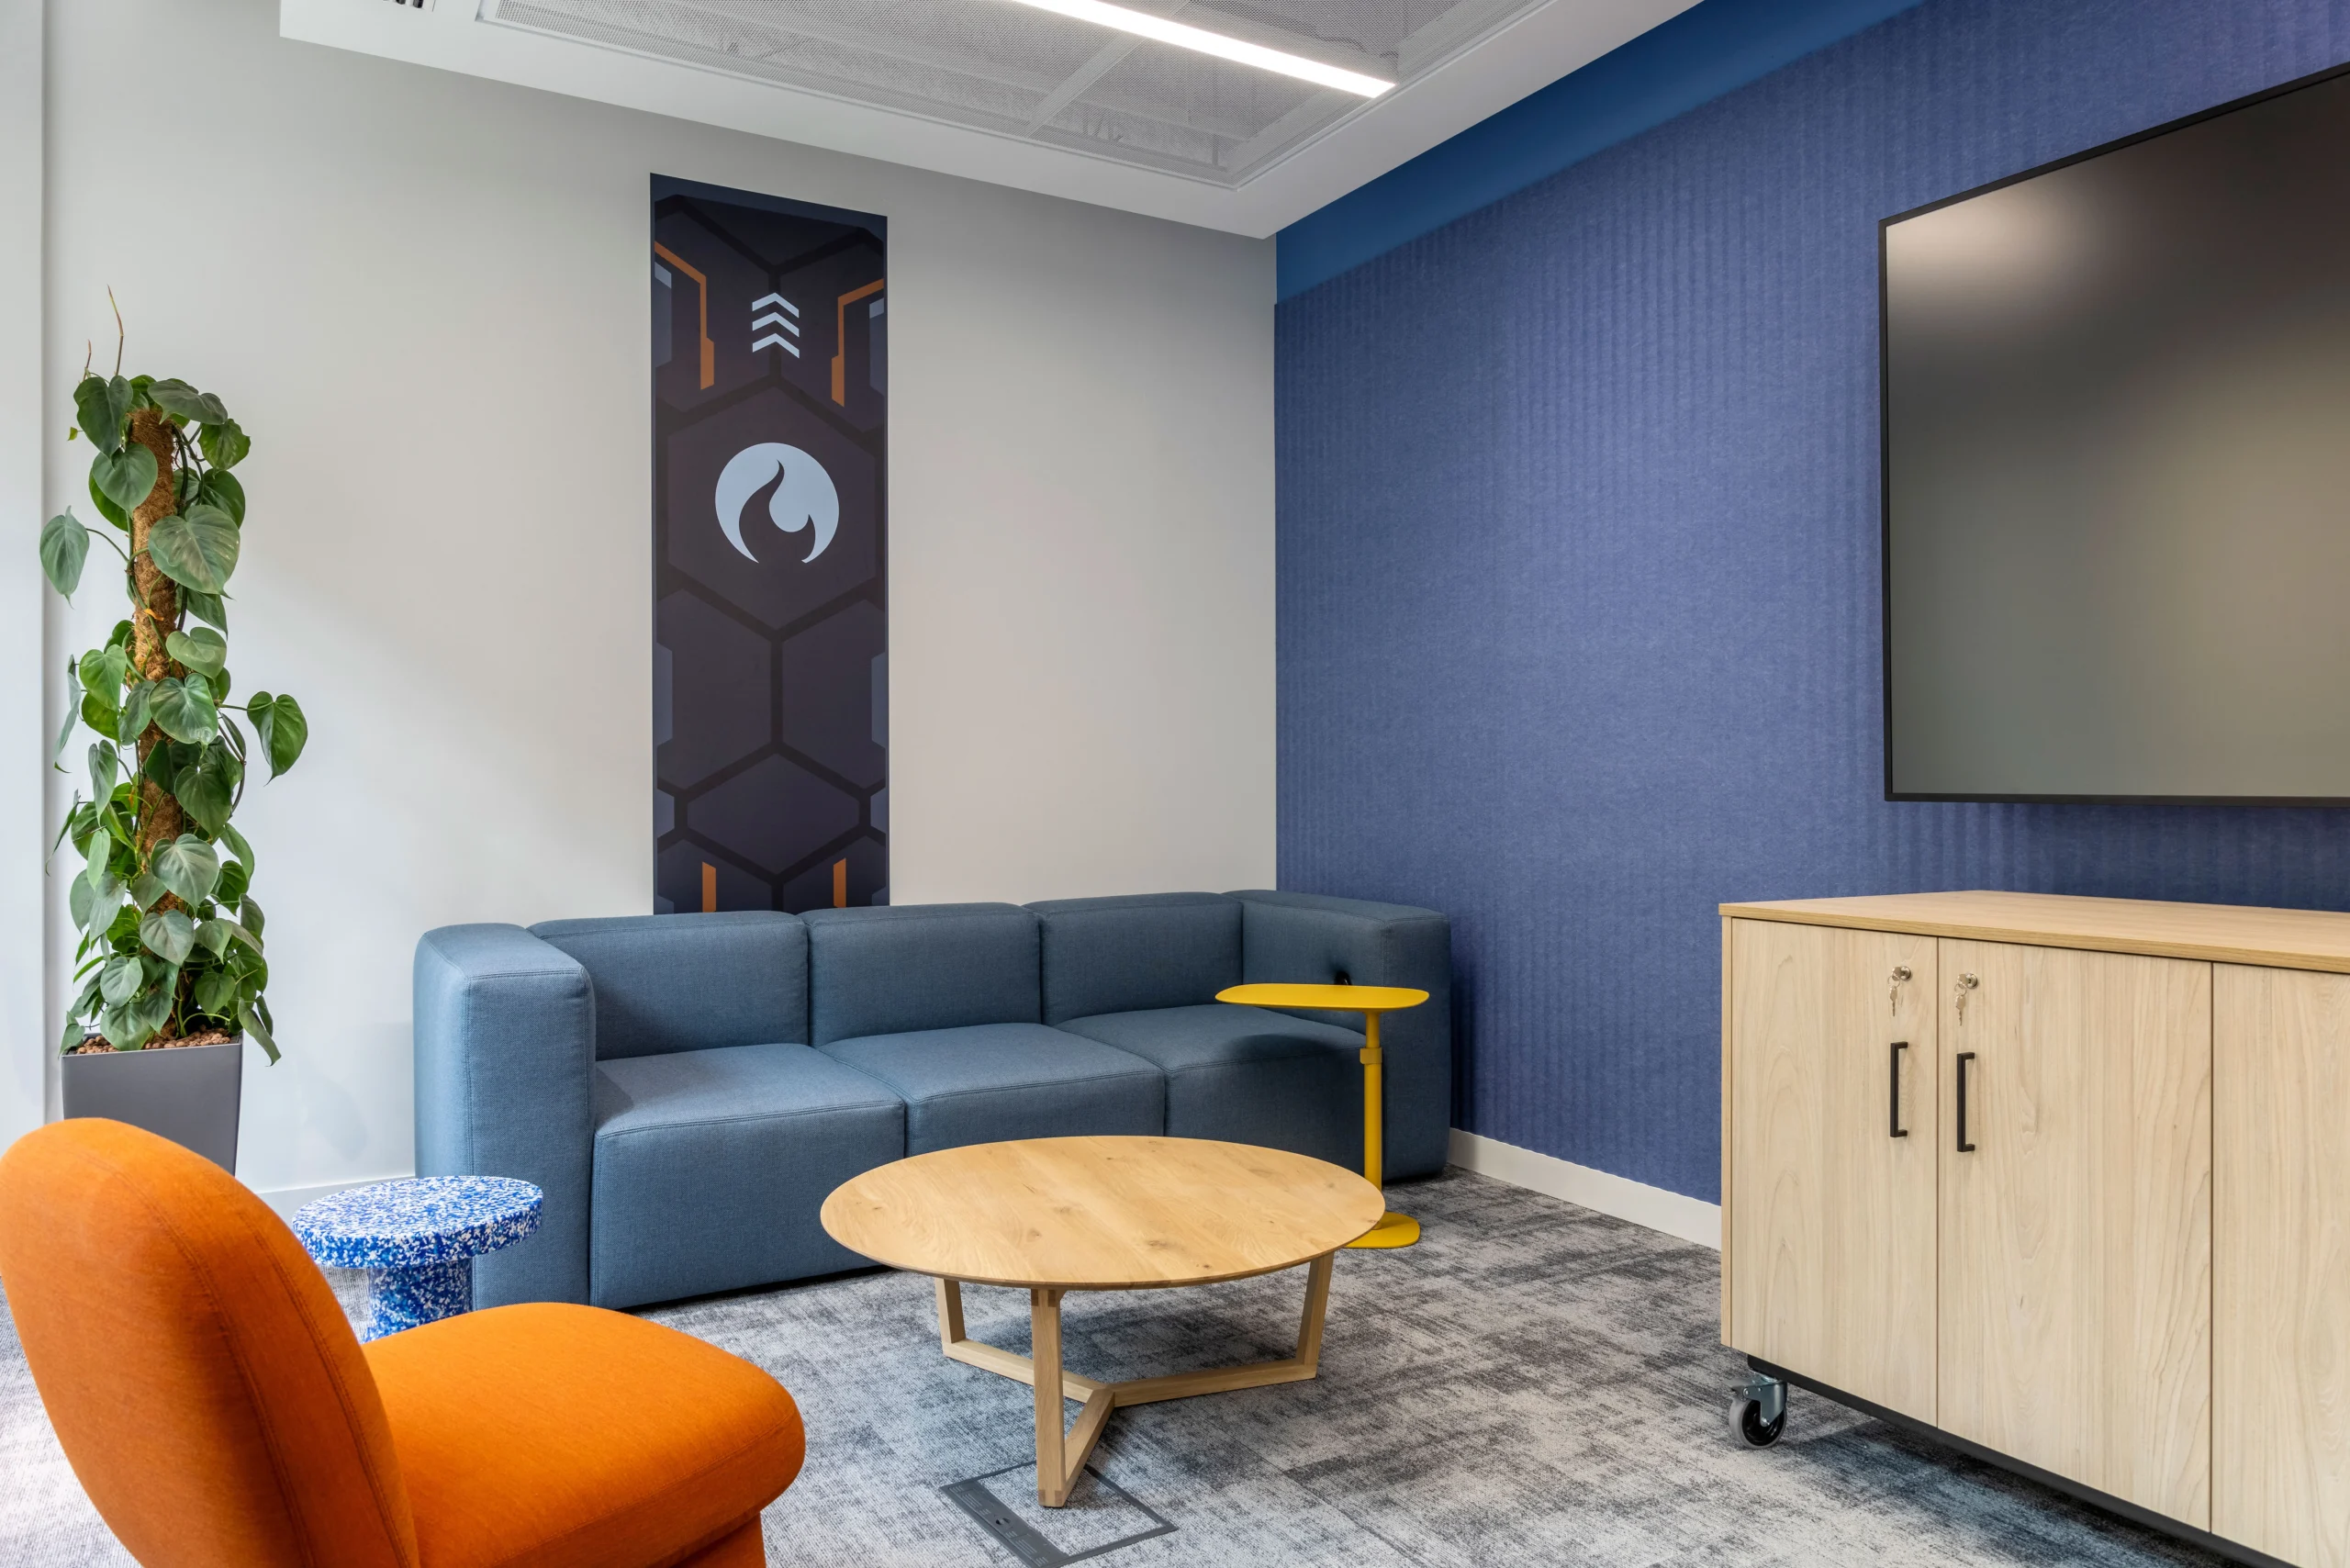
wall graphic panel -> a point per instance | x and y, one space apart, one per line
770 657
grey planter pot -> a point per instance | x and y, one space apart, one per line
188 1093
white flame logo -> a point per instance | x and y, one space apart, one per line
805 496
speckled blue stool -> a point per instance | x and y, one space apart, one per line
417 1239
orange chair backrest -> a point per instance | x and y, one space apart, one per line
200 1375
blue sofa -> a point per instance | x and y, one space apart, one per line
687 1088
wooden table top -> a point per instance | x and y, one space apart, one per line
2223 933
1102 1214
1329 998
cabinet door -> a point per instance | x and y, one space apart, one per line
2076 1232
2280 1376
1830 1235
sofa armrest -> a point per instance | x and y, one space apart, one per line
1310 939
504 1074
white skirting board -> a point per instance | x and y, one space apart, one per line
1691 1219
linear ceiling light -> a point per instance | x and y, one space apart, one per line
1183 35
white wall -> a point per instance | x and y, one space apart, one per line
425 298
23 1035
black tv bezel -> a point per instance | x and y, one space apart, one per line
1884 463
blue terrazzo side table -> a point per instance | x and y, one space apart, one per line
417 1239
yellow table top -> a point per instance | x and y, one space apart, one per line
1329 998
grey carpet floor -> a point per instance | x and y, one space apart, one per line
1533 1383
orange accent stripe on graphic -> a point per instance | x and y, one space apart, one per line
840 884
840 344
709 888
701 287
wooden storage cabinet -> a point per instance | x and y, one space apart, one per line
2076 1237
2126 1263
1836 1238
2280 1299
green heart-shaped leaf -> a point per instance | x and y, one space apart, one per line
206 787
215 992
206 607
135 712
182 709
124 977
80 712
284 730
233 881
255 1024
171 935
123 477
243 852
197 549
100 414
147 890
176 397
224 446
224 490
104 669
198 650
106 508
64 545
189 867
105 764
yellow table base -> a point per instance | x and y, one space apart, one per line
1393 1230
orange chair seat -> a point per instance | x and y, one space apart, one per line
531 1437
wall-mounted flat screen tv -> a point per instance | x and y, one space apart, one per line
2117 470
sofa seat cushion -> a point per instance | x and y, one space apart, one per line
710 1165
1246 1075
992 1081
549 1434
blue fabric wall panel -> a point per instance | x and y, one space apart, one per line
1578 562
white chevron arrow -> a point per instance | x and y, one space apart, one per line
772 319
765 300
776 340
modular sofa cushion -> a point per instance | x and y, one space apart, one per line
686 982
889 970
995 1081
1122 955
1246 1075
710 1166
505 1039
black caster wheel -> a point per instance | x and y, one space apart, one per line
1746 1420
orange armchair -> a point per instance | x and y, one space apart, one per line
222 1414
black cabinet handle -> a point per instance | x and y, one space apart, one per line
1894 1119
1963 1147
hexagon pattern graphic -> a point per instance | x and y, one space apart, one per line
770 549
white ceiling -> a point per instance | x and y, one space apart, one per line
1000 92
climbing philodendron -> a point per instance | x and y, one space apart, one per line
171 938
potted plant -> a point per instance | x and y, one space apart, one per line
171 962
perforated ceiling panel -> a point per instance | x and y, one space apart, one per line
999 66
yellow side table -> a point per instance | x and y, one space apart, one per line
1371 1000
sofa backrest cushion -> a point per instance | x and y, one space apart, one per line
892 969
687 982
1122 955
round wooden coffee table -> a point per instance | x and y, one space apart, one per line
1051 1215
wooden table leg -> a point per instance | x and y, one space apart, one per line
1318 1303
1045 1333
950 1314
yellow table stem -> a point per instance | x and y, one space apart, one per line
1392 1230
